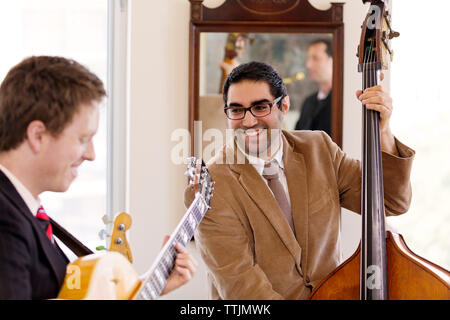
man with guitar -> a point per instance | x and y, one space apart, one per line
273 230
49 112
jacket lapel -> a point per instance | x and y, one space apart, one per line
56 257
295 170
260 193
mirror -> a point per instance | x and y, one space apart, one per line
291 47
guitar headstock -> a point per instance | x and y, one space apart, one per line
199 178
118 242
376 34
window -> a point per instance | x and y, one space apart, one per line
76 29
421 119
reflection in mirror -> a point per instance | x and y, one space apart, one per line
304 61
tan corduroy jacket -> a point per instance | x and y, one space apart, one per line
245 241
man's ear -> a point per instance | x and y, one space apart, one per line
35 133
286 104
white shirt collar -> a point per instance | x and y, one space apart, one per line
322 95
259 163
32 203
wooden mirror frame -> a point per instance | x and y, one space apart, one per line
267 16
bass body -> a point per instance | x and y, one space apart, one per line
409 276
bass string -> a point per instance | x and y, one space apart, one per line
364 176
369 76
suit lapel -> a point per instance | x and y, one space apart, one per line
56 257
295 170
260 193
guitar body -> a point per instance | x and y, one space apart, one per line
100 276
430 281
110 276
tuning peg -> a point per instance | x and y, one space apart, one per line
394 34
103 234
189 172
106 219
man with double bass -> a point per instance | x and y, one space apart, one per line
273 230
49 113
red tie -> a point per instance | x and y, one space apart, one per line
45 220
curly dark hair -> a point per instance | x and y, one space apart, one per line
256 71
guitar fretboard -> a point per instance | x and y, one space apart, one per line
155 279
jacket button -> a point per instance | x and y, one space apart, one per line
307 279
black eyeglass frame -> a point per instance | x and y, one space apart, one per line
274 102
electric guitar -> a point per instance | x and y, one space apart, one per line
109 275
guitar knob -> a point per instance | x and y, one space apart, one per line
118 241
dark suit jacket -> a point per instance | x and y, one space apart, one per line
30 266
315 114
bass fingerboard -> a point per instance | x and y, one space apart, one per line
156 278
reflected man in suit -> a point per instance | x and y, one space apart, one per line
315 113
49 114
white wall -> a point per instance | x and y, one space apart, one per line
158 96
158 85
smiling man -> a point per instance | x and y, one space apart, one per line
49 113
256 131
273 230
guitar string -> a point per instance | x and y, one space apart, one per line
159 283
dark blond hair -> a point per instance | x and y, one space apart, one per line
49 89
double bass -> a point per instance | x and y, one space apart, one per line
383 267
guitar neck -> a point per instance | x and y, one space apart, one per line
156 277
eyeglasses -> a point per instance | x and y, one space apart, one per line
258 110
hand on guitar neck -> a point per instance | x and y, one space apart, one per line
185 264
184 270
375 98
